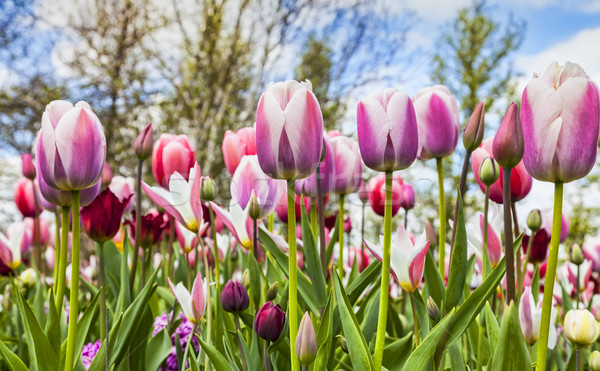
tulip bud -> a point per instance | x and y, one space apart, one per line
489 171
508 144
234 297
28 166
107 175
306 342
473 132
575 254
253 207
534 220
363 193
272 292
343 343
581 327
595 361
143 143
28 277
430 232
246 278
432 309
269 321
208 189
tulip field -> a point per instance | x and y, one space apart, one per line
106 272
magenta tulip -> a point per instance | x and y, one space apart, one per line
143 143
387 130
407 201
63 198
376 192
269 321
102 218
25 198
348 165
308 185
237 145
437 116
172 153
27 166
289 130
192 304
71 147
560 116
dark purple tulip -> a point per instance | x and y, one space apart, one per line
102 218
234 297
269 321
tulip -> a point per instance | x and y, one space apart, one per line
534 220
348 165
234 297
123 188
28 277
63 198
325 174
530 317
407 258
10 247
71 147
520 180
182 199
102 218
591 250
238 222
192 304
152 226
306 342
172 154
437 117
473 132
27 166
539 246
25 198
580 327
407 200
106 175
560 114
508 145
208 189
595 360
249 178
236 145
289 130
376 194
387 130
269 321
143 143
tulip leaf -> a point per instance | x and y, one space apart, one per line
255 273
456 360
357 345
333 239
314 267
512 352
137 354
433 280
421 356
492 328
368 276
458 262
52 329
83 327
157 350
215 357
124 298
13 362
324 335
422 314
44 358
396 353
38 302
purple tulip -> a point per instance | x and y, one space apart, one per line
437 116
71 146
234 297
348 165
289 130
507 146
269 321
560 115
387 130
308 186
63 198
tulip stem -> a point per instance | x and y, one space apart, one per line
62 264
550 277
406 219
577 289
37 243
236 320
341 238
56 247
518 257
321 214
527 255
442 212
138 226
415 319
266 356
313 218
462 185
385 273
216 253
486 207
73 302
102 288
271 222
208 303
293 267
255 237
188 268
509 251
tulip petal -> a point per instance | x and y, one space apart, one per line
198 296
377 252
373 128
163 198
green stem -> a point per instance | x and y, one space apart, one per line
485 258
208 302
509 251
462 186
102 288
138 226
62 264
271 222
341 238
518 257
293 275
56 247
577 289
385 273
266 356
216 253
236 320
406 219
313 218
480 347
415 319
442 212
189 268
528 253
550 277
73 302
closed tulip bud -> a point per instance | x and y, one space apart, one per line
253 207
363 193
473 133
575 254
25 198
489 171
534 220
306 342
343 343
272 292
408 197
348 165
208 189
172 153
269 321
580 327
508 144
102 218
430 233
595 360
143 143
234 297
246 278
432 309
28 166
107 176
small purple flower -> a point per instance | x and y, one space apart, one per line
88 353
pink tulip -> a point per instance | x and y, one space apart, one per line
348 165
530 317
25 198
71 147
27 166
591 250
437 117
238 222
187 240
508 142
560 114
520 180
171 153
248 178
408 197
289 130
192 304
10 247
237 145
107 175
123 188
547 224
182 200
387 130
63 198
143 143
407 258
376 194
308 185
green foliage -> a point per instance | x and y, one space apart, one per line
512 352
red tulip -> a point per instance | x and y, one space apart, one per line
171 153
102 218
376 189
25 198
153 225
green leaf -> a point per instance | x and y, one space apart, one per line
456 360
395 354
512 352
492 328
44 357
357 346
433 280
157 350
13 362
255 273
52 329
38 303
332 241
324 335
314 267
422 314
137 353
215 357
83 326
368 276
458 262
124 298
